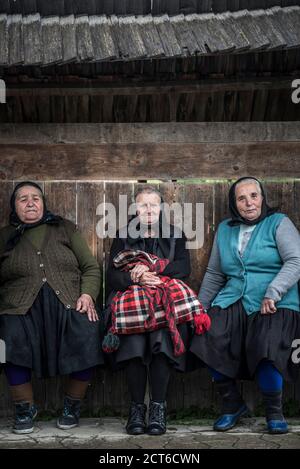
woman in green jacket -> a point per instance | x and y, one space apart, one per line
49 282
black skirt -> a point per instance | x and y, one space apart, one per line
147 344
51 339
236 343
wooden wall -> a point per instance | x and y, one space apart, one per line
133 7
74 191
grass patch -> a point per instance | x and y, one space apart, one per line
190 416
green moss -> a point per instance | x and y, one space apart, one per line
46 415
189 416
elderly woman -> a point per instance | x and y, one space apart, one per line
149 352
49 282
250 288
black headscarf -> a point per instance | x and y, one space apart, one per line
236 218
15 221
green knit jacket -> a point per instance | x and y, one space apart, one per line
56 254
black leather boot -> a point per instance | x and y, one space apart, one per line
136 424
71 413
233 406
157 423
276 422
24 417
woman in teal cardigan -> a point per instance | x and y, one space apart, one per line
251 293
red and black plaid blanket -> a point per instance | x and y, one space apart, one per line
142 308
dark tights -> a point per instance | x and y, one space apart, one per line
159 375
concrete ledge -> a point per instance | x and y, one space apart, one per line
109 433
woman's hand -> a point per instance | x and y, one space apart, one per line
137 272
85 304
268 306
150 279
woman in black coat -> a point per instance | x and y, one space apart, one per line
149 354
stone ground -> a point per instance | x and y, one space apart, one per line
109 433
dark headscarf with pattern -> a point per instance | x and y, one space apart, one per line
236 218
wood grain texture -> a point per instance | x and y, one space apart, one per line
143 161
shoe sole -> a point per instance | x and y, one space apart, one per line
142 432
278 432
66 427
156 434
25 430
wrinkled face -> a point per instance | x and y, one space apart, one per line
29 204
148 207
248 200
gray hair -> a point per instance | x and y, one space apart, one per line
147 189
250 181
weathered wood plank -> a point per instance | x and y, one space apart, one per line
143 161
128 36
278 20
29 6
52 40
32 39
94 401
221 205
185 35
175 394
68 32
264 21
234 31
200 86
206 42
198 390
61 198
29 109
15 33
85 49
165 6
193 132
43 109
116 395
138 7
282 195
89 196
102 38
6 406
3 40
57 108
256 37
287 21
167 36
296 214
53 8
218 34
151 39
202 216
6 188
